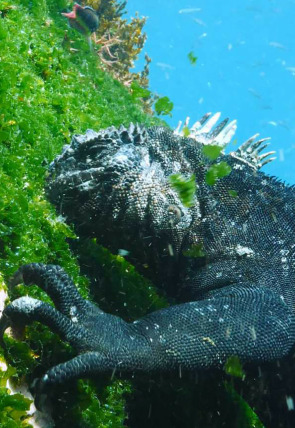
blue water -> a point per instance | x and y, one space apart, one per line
245 67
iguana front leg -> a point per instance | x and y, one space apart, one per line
250 322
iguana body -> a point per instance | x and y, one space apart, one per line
236 298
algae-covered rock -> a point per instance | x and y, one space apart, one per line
50 92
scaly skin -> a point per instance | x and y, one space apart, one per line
235 299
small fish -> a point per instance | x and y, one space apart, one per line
190 10
83 19
291 69
165 66
254 93
281 123
277 45
199 22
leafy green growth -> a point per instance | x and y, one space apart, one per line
50 92
185 187
21 355
91 412
212 151
233 193
164 106
138 92
196 250
234 367
186 131
245 417
217 171
192 58
13 407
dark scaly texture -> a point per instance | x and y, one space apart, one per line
237 299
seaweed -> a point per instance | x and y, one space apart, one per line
13 406
185 187
217 171
39 81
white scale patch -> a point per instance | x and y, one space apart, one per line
73 314
145 162
244 251
121 158
26 304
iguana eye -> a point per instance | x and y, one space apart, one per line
175 214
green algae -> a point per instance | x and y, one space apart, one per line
48 93
192 58
164 106
108 407
185 187
212 151
13 407
245 415
234 367
195 251
217 171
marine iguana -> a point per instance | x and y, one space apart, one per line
236 298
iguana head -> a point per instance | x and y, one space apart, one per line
114 185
